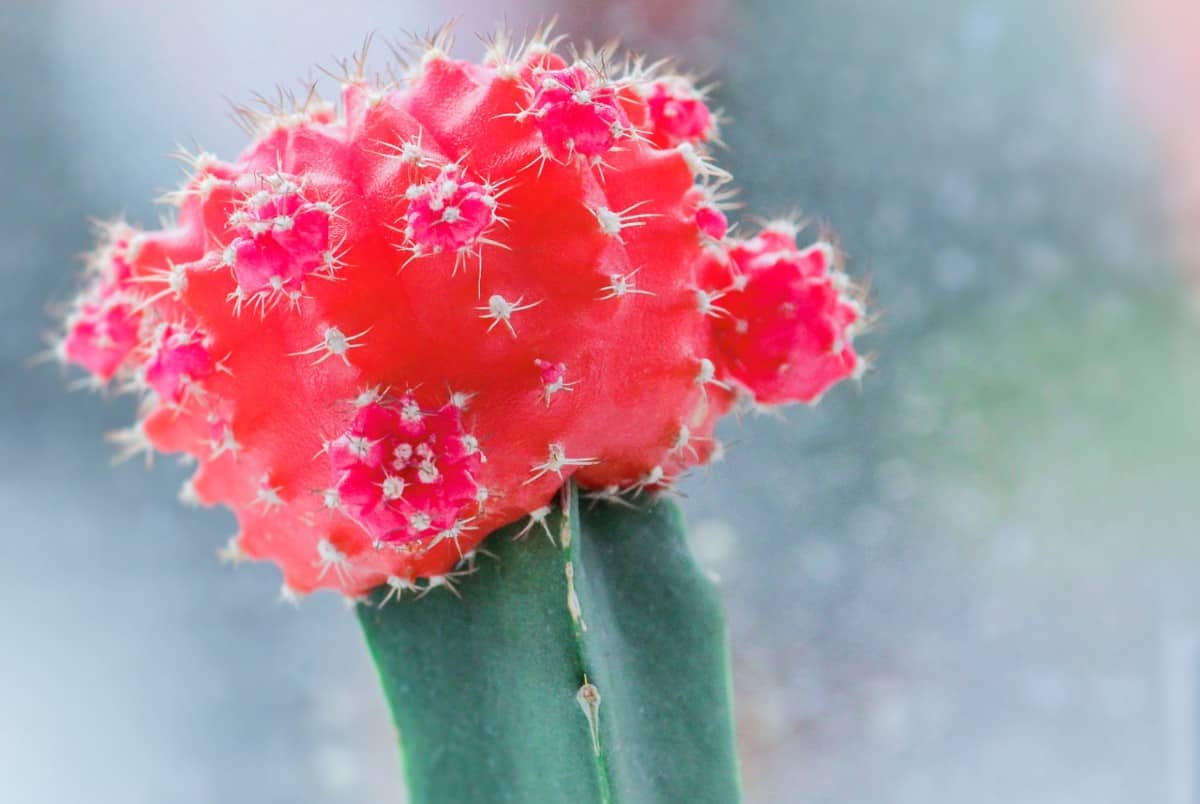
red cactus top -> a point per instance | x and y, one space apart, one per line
385 331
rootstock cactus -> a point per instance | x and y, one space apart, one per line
392 326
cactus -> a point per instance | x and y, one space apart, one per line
395 325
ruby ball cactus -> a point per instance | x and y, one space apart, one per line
395 324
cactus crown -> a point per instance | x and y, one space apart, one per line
390 327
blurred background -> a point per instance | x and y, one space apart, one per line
973 580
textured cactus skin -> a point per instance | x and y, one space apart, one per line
634 616
524 262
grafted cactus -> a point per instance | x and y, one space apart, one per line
390 327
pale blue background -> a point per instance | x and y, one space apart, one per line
973 581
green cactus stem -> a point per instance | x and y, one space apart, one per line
589 666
